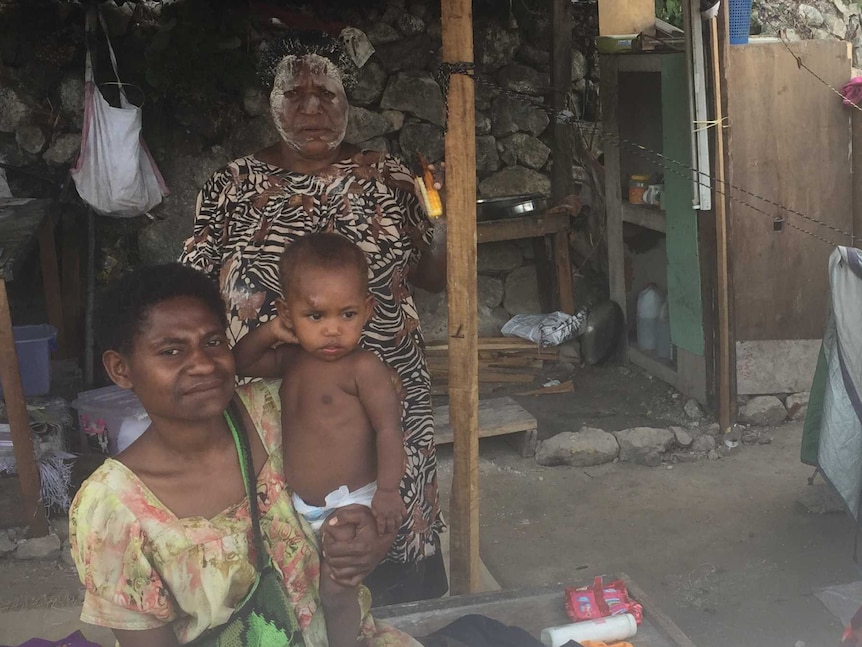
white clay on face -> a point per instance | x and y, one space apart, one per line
287 77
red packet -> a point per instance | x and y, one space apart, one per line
599 600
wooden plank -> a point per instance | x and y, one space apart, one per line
492 231
565 282
497 417
723 362
648 217
19 424
491 343
562 183
780 285
618 17
613 181
460 148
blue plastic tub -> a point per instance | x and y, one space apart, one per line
34 345
739 19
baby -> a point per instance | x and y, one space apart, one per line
340 406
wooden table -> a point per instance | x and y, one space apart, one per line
532 609
24 223
556 225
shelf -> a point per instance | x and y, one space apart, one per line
644 216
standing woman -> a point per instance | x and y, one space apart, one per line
311 181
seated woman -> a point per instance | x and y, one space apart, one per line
162 534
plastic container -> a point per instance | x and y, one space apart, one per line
739 19
650 301
34 344
662 340
637 187
608 630
111 418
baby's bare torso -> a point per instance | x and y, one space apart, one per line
328 440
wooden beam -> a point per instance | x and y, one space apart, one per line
19 424
465 576
613 181
725 406
561 80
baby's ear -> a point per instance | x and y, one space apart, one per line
369 306
283 312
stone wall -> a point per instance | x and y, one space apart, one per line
195 65
813 19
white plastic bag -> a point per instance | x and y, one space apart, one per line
546 330
114 173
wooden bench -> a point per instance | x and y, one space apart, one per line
497 417
531 609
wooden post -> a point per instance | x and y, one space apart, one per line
561 80
51 283
725 404
561 182
461 279
19 424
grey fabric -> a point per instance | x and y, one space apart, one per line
840 452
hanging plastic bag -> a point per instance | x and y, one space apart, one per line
115 173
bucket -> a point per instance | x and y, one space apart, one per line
739 19
111 418
33 345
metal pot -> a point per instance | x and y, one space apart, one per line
512 206
601 333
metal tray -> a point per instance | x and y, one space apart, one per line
510 206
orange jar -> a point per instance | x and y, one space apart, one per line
637 187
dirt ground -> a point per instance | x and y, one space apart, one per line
723 546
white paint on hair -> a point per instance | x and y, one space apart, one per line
286 74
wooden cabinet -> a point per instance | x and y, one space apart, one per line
646 114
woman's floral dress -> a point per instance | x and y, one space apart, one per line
250 210
142 567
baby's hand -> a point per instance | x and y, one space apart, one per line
388 509
280 332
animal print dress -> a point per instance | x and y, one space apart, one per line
249 211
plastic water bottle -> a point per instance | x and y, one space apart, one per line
649 307
662 342
607 630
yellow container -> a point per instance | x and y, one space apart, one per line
637 187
